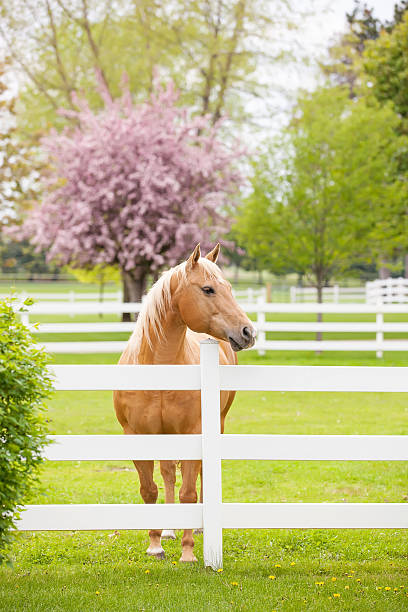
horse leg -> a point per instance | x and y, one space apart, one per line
168 471
200 529
149 491
188 495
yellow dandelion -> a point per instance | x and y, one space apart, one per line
174 562
97 593
402 586
277 565
395 588
234 583
347 587
379 588
387 588
293 563
336 594
147 571
334 579
358 580
319 583
219 570
271 577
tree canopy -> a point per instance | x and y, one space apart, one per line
134 186
330 194
211 49
386 63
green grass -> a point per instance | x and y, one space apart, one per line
110 571
107 571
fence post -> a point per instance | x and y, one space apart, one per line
211 438
293 294
379 319
336 294
260 321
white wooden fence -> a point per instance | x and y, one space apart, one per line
68 296
335 294
387 291
260 309
211 447
71 297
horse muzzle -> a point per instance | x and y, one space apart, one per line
243 339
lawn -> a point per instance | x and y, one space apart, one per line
288 570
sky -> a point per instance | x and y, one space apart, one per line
313 38
325 26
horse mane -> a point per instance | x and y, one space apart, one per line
157 302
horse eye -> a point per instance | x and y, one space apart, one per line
207 290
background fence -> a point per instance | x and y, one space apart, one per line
334 294
387 291
258 310
249 294
211 447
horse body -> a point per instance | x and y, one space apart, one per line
186 305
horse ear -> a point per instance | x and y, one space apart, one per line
194 257
213 255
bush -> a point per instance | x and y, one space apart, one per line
24 385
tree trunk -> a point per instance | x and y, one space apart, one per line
319 335
134 285
384 271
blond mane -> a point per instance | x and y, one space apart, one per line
157 302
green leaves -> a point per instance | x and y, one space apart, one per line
329 195
24 386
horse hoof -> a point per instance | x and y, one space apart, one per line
168 534
157 553
188 558
198 531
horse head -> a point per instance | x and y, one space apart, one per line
206 303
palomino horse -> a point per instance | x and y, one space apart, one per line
188 301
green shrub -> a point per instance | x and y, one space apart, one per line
24 385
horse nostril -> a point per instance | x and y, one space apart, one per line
246 333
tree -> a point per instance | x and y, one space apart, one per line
134 187
19 178
330 196
211 49
345 63
18 172
386 68
99 274
386 64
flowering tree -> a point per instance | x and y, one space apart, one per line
135 187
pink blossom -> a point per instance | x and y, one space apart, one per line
135 185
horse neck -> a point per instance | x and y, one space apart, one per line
167 347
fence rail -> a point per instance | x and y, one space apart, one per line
335 293
211 447
72 297
260 309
